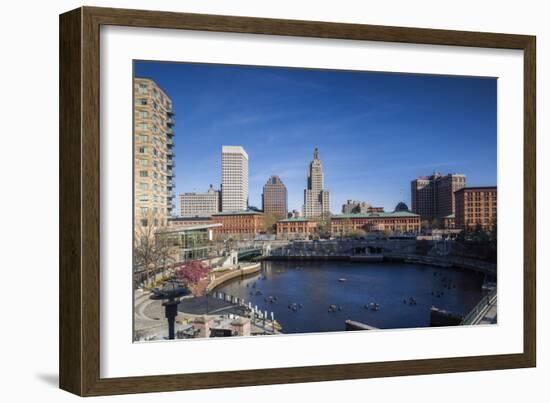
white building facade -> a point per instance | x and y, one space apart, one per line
200 204
234 179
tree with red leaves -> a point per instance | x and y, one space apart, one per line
192 272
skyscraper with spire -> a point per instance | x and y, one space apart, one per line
316 198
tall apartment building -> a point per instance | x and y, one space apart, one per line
200 204
154 154
234 179
355 207
476 205
316 198
434 196
274 197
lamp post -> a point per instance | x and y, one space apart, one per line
206 293
171 291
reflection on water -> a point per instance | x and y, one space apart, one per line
301 293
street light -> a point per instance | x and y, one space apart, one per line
171 291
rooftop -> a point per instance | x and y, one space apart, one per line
176 230
475 188
234 150
294 219
241 212
395 214
190 218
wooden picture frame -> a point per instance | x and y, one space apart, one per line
79 346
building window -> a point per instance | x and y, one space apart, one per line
144 222
143 174
144 210
144 186
143 89
143 114
142 150
143 126
143 138
143 101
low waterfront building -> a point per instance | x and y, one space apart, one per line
296 228
397 221
476 206
375 210
200 204
448 222
439 234
189 243
355 207
238 224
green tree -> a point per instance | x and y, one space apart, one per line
323 226
358 234
270 223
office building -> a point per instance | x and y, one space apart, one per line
433 196
355 207
234 179
200 204
274 197
316 197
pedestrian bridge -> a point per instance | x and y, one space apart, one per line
250 253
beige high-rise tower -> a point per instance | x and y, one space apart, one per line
316 198
153 154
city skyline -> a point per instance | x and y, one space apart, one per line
364 125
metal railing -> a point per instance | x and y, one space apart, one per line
474 315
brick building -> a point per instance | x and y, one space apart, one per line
433 196
400 221
476 205
296 228
239 224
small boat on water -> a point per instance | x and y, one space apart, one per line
342 279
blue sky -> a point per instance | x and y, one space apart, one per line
375 131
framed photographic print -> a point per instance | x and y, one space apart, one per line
272 201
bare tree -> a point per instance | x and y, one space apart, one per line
164 250
146 250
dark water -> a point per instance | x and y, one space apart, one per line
315 285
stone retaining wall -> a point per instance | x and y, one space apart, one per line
250 269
